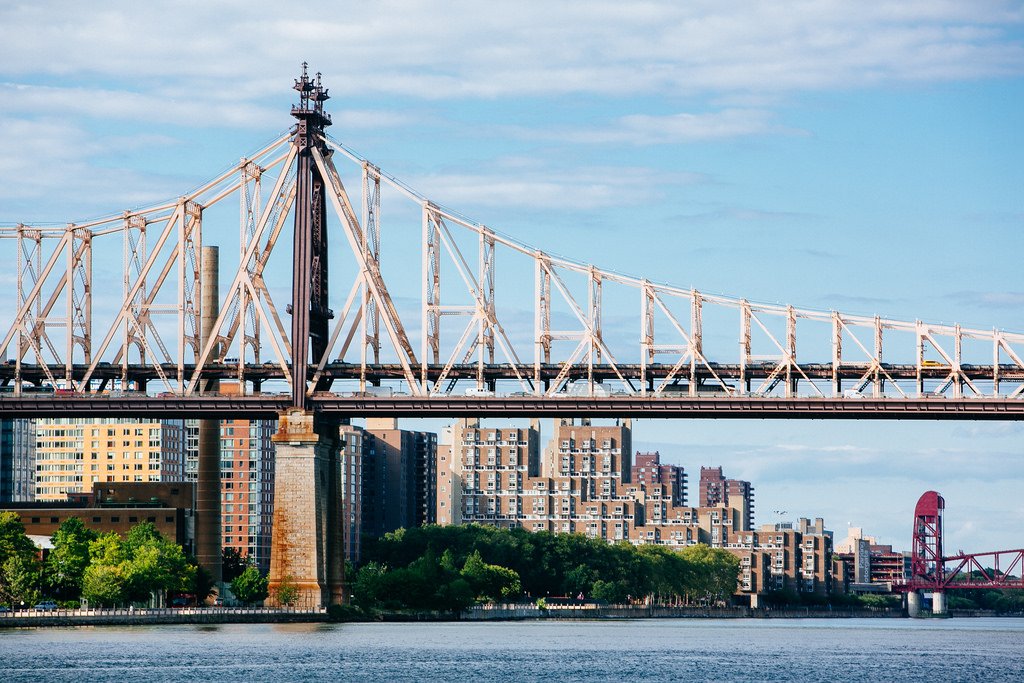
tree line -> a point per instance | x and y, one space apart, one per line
452 567
105 569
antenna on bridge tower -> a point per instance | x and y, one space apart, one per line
309 308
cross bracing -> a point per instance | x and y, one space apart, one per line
479 314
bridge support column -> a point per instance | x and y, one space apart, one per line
913 604
208 481
307 550
938 603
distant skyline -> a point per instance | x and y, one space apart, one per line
832 155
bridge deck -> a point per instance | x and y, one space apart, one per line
269 406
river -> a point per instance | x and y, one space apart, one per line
984 649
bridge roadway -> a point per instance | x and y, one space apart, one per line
449 406
262 372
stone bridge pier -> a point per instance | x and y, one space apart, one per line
307 550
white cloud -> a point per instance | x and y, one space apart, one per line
523 185
1010 300
459 49
645 129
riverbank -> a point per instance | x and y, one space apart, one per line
501 612
187 615
513 612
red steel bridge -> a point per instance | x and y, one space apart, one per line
932 570
129 315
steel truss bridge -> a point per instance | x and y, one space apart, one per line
432 330
934 571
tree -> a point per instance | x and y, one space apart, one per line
103 585
134 568
287 591
203 584
153 564
609 591
489 581
715 573
19 581
250 586
19 563
13 540
368 587
233 563
67 561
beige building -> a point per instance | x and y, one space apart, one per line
779 557
72 454
493 475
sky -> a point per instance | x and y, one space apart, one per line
864 157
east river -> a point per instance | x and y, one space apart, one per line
669 649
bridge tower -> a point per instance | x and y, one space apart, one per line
307 545
927 564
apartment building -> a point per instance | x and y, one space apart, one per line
17 461
716 489
72 454
648 470
778 557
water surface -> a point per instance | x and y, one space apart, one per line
662 649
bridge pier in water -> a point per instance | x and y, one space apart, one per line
914 604
938 603
307 549
915 598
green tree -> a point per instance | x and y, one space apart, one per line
19 581
134 568
489 581
153 564
233 563
67 561
368 587
250 586
609 591
103 585
287 591
19 563
715 573
203 584
13 540
107 549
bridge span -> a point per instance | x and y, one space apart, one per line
450 406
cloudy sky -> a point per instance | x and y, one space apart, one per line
835 155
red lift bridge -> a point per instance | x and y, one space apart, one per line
930 570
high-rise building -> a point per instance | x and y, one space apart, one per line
649 470
449 483
484 475
493 475
488 475
247 488
247 481
352 461
401 480
72 454
593 454
716 489
778 557
17 461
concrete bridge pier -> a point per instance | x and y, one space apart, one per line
307 550
914 604
938 602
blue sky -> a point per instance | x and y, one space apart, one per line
824 154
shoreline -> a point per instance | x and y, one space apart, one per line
485 613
